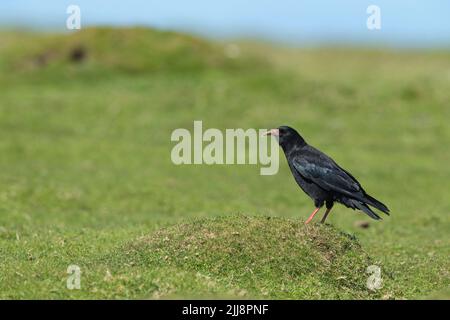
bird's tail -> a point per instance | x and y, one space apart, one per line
363 207
376 204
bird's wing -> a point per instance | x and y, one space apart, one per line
327 174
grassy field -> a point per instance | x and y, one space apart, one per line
86 177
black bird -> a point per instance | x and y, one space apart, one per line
321 178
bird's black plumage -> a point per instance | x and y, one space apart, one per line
322 178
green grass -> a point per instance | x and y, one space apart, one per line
259 256
86 176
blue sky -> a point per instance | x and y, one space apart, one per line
416 23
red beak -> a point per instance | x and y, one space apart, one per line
272 132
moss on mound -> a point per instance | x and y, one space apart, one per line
264 256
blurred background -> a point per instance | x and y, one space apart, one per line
405 23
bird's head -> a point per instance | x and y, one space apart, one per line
286 136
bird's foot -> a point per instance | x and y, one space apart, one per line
312 215
325 216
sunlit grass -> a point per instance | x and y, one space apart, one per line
85 158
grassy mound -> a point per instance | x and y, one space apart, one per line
132 50
257 257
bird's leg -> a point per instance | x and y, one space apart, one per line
312 215
325 215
